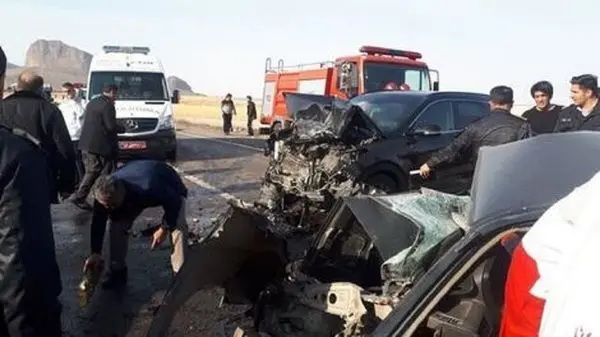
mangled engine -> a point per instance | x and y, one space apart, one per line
312 166
305 179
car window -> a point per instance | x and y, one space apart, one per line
439 114
466 113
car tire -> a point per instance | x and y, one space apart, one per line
172 156
381 183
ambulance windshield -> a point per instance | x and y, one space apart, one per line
380 76
133 86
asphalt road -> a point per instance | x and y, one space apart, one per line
215 167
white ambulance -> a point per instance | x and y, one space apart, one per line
144 104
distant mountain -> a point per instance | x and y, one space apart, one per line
59 62
56 61
176 83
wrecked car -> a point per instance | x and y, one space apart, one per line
367 144
418 263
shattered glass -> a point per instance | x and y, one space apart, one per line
439 216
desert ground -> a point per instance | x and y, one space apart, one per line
207 111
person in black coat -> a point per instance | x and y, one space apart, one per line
98 142
251 111
584 113
28 110
499 127
30 280
544 114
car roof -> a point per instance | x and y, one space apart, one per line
532 173
425 94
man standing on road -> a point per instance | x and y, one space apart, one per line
29 276
73 113
28 110
98 142
228 111
543 115
121 197
584 113
499 127
251 110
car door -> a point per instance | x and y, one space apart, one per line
437 115
452 115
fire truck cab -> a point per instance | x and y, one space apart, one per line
375 68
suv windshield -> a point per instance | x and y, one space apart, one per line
388 110
133 86
378 75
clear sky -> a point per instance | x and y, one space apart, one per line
220 46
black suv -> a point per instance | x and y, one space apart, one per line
396 132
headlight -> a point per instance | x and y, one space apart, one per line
166 122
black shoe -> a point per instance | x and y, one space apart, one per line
116 279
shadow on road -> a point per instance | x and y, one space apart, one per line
190 149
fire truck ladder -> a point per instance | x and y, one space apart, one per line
280 67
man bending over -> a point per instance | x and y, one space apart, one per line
121 197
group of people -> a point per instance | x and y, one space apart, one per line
552 259
50 154
501 126
228 111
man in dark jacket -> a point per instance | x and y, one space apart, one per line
251 111
28 110
98 142
121 197
499 127
29 276
584 113
544 114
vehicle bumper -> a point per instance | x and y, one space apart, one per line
161 145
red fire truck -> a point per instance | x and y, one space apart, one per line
375 68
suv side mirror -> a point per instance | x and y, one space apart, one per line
427 130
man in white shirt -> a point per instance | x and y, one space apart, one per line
73 114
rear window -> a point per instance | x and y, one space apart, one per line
133 86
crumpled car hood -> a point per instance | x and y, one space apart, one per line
319 116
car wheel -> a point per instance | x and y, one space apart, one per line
380 183
172 156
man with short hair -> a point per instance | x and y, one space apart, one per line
73 114
543 115
29 275
28 110
98 142
499 127
584 113
121 197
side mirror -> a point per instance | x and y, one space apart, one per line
427 131
436 86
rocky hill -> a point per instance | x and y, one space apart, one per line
176 83
59 62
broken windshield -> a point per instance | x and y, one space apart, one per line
440 217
